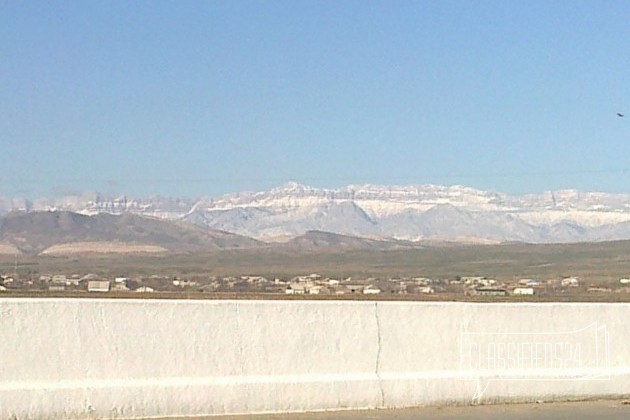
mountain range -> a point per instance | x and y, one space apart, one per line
374 212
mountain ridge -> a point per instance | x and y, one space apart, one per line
384 212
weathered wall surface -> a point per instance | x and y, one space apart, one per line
99 358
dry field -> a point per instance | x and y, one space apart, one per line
8 250
101 248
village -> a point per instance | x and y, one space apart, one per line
311 284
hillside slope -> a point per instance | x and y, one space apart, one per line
35 232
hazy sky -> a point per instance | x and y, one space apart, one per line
207 97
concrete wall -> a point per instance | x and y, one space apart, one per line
99 358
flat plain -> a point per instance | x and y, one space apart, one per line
602 263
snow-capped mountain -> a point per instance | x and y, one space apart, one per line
94 203
414 212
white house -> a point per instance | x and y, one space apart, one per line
315 290
523 291
371 290
185 283
144 289
570 282
295 289
255 279
98 286
472 280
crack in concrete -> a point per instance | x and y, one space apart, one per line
378 355
239 335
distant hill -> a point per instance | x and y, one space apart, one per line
33 233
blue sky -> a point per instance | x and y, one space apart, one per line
203 98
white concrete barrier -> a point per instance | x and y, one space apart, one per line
100 358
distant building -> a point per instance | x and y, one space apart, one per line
185 283
473 280
427 290
274 288
523 291
295 289
3 289
570 282
56 287
487 291
119 287
315 290
62 279
255 279
624 281
422 281
401 288
355 288
98 286
304 279
144 289
59 279
370 290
